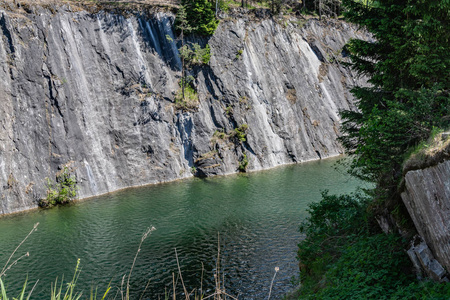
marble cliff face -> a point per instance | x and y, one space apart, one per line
96 92
426 195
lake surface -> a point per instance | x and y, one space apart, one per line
257 216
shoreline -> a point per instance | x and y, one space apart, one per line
87 198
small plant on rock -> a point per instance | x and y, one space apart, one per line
239 53
229 111
241 133
62 191
187 99
243 163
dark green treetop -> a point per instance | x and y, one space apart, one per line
200 16
407 67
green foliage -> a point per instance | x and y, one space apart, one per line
239 53
220 134
21 296
69 293
420 149
323 7
205 54
65 291
200 17
194 54
423 291
332 223
237 135
342 258
243 163
193 170
229 110
189 101
241 133
191 54
182 23
225 5
62 191
370 267
407 65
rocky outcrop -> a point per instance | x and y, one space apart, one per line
96 91
426 196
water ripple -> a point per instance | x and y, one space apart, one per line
257 216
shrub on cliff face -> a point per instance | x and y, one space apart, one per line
240 133
243 163
62 191
186 99
191 54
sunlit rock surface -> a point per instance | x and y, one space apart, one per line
96 91
427 197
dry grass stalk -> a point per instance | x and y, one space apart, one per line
145 289
181 277
219 293
173 282
144 236
273 279
7 267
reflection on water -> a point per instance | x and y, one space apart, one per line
256 214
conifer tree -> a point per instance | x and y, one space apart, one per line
201 16
183 26
407 66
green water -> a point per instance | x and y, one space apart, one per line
256 214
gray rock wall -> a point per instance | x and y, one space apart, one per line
96 92
427 198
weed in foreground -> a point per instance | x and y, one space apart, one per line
61 290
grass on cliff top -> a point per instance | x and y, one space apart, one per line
429 152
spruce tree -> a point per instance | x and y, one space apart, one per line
201 16
406 64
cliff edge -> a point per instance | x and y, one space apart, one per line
426 195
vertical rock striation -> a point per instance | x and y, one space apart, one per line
426 195
96 91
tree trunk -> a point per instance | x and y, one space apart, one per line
183 72
320 9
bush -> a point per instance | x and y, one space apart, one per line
194 54
205 54
62 191
332 223
370 267
342 258
190 100
239 53
241 133
243 163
